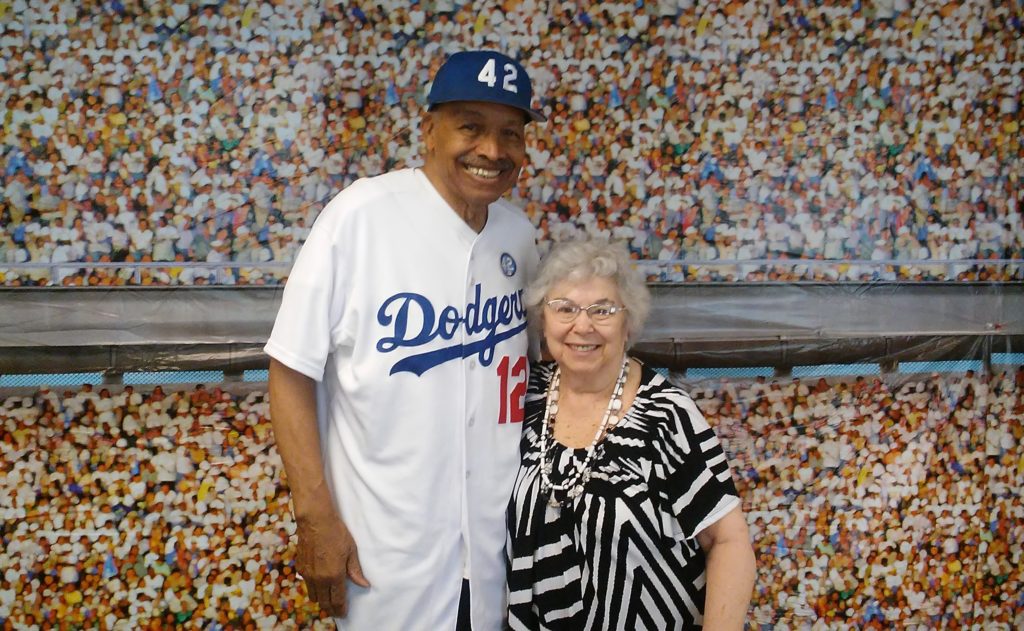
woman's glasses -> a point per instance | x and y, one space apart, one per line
567 310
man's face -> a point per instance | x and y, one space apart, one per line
474 151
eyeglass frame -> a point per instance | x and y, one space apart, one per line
613 308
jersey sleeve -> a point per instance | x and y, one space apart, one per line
696 485
533 330
313 300
517 229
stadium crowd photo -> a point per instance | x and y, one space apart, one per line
874 503
195 142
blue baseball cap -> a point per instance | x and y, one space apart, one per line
483 75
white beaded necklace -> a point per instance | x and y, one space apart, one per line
580 474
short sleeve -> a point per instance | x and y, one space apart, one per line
312 302
696 485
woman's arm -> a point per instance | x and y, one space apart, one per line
730 571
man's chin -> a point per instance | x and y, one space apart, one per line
486 195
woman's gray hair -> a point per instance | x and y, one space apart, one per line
582 259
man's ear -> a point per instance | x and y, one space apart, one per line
427 124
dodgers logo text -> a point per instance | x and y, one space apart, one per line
414 321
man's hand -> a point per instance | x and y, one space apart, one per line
326 558
325 554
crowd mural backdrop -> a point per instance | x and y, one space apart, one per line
197 141
890 501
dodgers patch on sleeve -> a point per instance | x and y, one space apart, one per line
508 264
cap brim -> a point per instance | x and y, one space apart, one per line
534 115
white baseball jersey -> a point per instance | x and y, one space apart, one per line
414 327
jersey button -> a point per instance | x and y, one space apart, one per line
472 364
472 421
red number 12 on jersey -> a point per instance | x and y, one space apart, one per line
513 390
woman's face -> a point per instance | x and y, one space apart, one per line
584 346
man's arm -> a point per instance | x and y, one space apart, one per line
326 555
731 570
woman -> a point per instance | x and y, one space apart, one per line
623 514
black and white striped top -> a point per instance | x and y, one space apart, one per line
624 554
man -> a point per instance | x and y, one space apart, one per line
398 367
